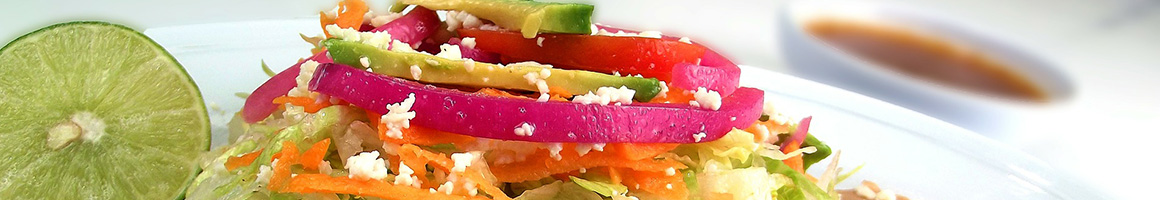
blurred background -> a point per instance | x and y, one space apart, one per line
1108 52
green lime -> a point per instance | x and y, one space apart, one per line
92 110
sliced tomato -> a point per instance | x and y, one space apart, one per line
650 57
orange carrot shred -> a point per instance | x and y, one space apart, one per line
444 163
321 183
425 136
350 13
323 21
795 162
659 184
313 156
540 164
243 160
614 175
638 151
287 157
309 105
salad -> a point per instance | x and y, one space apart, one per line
510 99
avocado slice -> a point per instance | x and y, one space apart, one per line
441 70
529 17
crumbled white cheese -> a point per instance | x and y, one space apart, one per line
264 173
664 90
401 46
468 42
491 27
528 64
447 187
416 72
462 161
540 41
302 81
598 146
670 171
544 97
449 51
669 186
686 40
697 137
366 62
583 149
542 86
621 95
554 149
707 99
525 129
650 34
459 19
377 39
406 177
399 116
468 64
532 77
366 166
768 109
431 190
545 73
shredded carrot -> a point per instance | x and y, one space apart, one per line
675 95
374 118
557 91
614 175
794 162
350 13
444 163
770 125
324 20
541 164
308 104
496 92
638 151
313 156
243 160
287 157
321 183
659 184
417 164
424 136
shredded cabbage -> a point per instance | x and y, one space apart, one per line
748 183
559 191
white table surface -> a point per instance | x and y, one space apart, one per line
1111 48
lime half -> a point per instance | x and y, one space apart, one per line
92 110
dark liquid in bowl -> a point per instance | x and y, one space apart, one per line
926 57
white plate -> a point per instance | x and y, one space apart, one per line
908 152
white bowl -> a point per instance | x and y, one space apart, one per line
811 58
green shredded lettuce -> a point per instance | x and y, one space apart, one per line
819 155
266 68
602 188
559 191
800 187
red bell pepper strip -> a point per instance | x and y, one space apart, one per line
650 57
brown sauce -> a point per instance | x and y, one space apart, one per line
926 57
